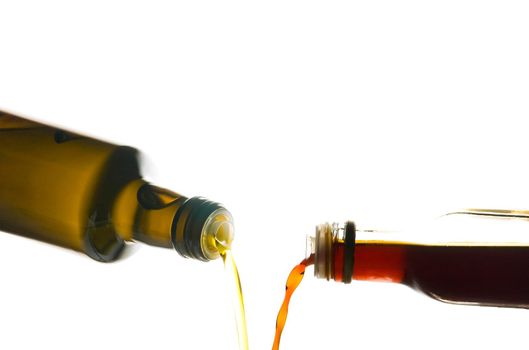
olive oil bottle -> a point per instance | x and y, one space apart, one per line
88 195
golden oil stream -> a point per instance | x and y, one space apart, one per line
235 290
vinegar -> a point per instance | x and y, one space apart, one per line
492 273
294 279
455 270
472 274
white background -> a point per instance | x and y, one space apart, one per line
291 113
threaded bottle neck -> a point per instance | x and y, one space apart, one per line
333 250
196 227
202 229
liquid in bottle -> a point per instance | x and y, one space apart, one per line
474 257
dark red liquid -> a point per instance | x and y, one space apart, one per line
485 275
294 279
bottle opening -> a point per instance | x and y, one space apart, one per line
323 257
217 234
202 229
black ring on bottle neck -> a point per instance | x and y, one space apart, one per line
349 251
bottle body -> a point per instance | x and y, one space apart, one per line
483 275
475 272
88 195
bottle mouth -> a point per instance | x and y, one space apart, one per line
202 229
217 234
323 251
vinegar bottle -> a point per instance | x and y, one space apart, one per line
476 257
88 195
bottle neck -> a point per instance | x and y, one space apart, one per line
340 257
145 215
379 262
195 227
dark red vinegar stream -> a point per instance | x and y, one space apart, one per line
294 279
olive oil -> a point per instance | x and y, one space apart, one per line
88 195
235 290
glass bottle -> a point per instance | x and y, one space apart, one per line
88 195
475 257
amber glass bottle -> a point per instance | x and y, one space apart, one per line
88 195
476 257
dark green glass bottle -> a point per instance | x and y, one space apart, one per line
88 195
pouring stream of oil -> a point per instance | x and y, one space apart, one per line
294 279
234 285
